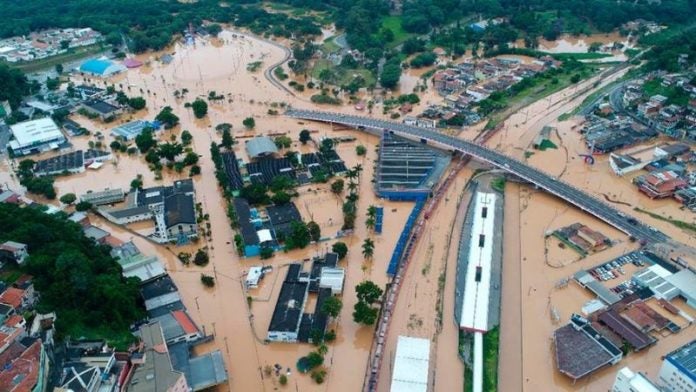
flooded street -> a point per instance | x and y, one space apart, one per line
532 266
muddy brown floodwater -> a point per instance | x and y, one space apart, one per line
220 66
533 266
528 281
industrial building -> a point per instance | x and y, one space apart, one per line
581 350
259 147
171 207
35 136
289 323
101 67
629 381
411 365
130 130
407 170
107 196
667 284
287 315
678 372
476 288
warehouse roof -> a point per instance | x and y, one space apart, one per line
260 146
35 131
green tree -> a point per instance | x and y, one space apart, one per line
227 139
332 307
137 182
255 193
314 231
194 171
280 198
68 198
170 151
368 292
360 150
201 258
52 83
223 126
145 141
59 68
137 103
327 144
207 280
13 85
83 206
266 253
368 248
186 138
340 248
282 142
191 158
391 73
167 117
283 379
364 313
305 136
299 236
249 123
200 108
314 359
337 186
214 29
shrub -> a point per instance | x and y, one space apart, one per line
201 258
207 280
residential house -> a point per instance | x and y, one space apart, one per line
11 251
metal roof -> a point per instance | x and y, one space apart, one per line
411 365
260 146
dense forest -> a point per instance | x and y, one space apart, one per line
145 24
151 25
13 85
75 277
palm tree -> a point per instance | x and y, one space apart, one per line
352 186
370 223
368 248
351 174
372 212
322 349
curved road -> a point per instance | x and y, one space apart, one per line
567 192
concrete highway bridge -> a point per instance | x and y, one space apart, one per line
551 184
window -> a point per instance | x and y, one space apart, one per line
482 240
478 274
484 212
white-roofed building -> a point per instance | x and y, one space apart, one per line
253 277
667 285
35 136
628 381
474 313
260 146
332 278
685 282
411 365
654 277
264 236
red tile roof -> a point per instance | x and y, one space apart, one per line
14 320
13 297
24 371
185 321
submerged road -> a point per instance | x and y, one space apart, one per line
551 184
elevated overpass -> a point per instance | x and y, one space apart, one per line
551 184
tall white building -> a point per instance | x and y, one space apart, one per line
629 381
678 372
